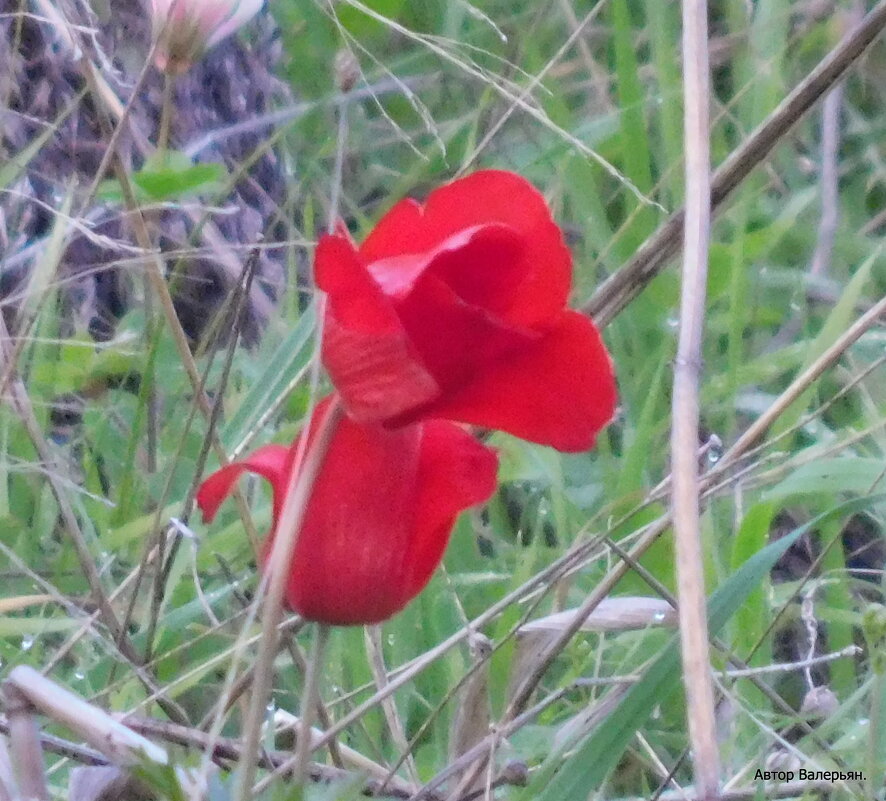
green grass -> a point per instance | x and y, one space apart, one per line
603 141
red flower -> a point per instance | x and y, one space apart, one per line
379 516
457 309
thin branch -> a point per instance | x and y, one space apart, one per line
692 606
309 699
24 740
222 749
117 742
376 657
796 388
297 495
307 465
602 590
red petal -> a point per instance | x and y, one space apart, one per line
455 473
346 568
270 462
365 349
400 231
357 300
379 515
457 342
483 265
488 196
379 518
559 391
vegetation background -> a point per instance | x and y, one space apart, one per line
103 436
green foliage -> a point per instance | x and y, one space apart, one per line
598 127
591 760
168 176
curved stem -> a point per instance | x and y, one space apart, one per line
310 695
165 116
298 492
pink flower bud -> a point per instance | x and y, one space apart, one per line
184 29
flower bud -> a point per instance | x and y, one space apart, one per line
819 703
185 29
347 70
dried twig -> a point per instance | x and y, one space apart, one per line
692 606
27 754
796 388
297 494
117 742
307 464
223 749
376 658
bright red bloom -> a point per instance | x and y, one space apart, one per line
457 309
379 517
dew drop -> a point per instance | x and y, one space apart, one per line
715 449
27 642
79 675
673 322
658 616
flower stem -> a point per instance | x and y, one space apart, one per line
165 115
298 492
297 495
338 168
310 696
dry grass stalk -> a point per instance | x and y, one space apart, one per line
470 724
692 605
285 722
375 654
8 786
297 495
117 742
24 738
623 613
796 388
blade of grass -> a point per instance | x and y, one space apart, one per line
634 139
585 770
657 251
